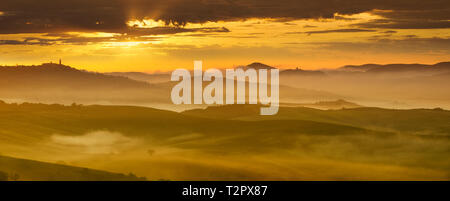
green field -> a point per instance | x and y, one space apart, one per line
233 142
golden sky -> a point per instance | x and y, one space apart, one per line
156 35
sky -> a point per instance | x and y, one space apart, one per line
162 35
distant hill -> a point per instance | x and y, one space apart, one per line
144 77
396 68
360 68
63 84
51 75
256 66
325 105
55 83
299 71
372 68
411 85
30 170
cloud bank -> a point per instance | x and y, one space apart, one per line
47 16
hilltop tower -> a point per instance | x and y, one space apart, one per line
60 63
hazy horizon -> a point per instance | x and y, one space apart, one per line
190 66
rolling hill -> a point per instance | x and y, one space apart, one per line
417 121
51 75
301 72
144 77
256 66
55 83
325 105
233 142
399 68
30 170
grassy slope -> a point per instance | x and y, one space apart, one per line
416 121
234 141
31 123
41 171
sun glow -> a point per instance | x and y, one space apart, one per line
127 44
93 35
146 23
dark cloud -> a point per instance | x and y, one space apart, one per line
55 16
412 19
405 24
45 41
290 24
12 42
384 34
377 37
47 16
182 11
173 30
344 18
132 34
413 45
333 31
389 32
410 36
